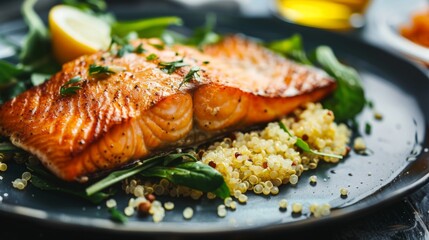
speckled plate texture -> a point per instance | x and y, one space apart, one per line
397 165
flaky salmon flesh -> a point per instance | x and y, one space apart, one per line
143 106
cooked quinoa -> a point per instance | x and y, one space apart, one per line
263 160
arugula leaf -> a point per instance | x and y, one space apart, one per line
195 175
36 42
304 145
123 46
348 100
120 175
152 27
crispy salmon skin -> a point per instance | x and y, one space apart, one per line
141 105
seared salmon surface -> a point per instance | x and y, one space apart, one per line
138 108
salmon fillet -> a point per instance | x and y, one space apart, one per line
140 109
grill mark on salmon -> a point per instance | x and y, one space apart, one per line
116 119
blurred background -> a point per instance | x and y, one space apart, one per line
386 23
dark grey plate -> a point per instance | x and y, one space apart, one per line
399 163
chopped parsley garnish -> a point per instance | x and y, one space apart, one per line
97 70
67 90
124 47
158 46
151 57
192 74
140 49
206 62
170 67
124 50
303 145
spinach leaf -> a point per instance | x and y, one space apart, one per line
290 47
348 99
46 181
120 175
195 175
152 27
36 42
44 184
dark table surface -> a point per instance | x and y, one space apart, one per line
407 218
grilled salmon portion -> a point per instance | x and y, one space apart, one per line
137 106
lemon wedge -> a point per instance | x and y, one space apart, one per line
75 33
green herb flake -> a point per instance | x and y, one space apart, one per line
124 50
151 57
67 89
97 70
139 49
192 74
117 215
206 62
8 147
304 145
370 104
170 67
158 46
368 128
